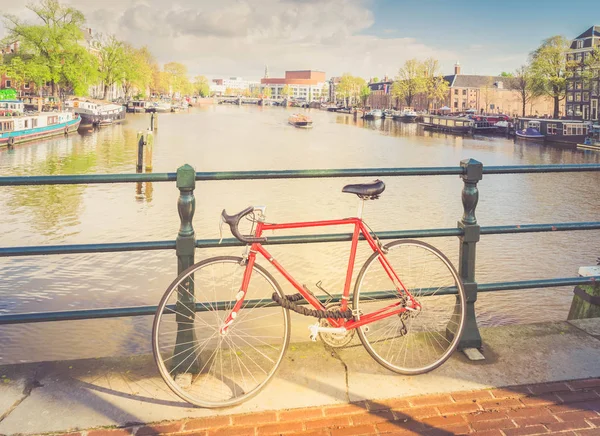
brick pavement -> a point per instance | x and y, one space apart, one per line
565 408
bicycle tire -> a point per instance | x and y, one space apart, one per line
236 353
387 351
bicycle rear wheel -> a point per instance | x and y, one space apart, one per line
413 342
199 363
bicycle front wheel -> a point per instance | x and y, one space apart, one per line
413 342
198 362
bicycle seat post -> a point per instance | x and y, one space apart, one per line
361 206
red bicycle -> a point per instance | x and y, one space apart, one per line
222 328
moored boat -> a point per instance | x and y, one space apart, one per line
24 127
532 132
96 112
447 124
140 106
592 142
569 132
373 114
407 115
300 121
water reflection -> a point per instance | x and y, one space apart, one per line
223 138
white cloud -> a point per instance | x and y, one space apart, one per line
238 37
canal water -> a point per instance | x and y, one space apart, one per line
222 138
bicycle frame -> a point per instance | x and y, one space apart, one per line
359 228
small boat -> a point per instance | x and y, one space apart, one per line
300 121
532 131
529 133
408 115
17 126
140 106
96 112
373 114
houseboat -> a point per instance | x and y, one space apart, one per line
24 127
96 113
483 125
140 106
592 142
407 115
562 131
447 124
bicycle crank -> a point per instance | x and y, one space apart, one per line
332 336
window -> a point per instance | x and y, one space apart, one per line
578 85
570 97
34 123
552 129
8 83
571 129
569 85
456 104
570 109
26 86
456 92
579 43
464 92
595 88
578 96
7 126
586 96
52 120
464 104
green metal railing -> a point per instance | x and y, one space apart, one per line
468 230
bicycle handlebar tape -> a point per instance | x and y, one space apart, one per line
234 220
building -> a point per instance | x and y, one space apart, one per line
381 94
583 92
308 85
235 85
490 94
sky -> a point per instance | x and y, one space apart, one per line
368 38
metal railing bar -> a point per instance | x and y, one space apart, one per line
70 315
85 179
285 240
532 169
287 174
86 248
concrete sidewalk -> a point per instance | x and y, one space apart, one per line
128 392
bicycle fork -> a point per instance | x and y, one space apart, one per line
249 257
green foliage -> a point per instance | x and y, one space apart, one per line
266 92
55 40
113 61
350 88
286 91
8 94
505 74
201 86
375 79
138 70
524 84
436 87
411 81
550 68
177 78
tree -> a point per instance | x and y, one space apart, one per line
266 92
201 86
436 87
375 79
505 74
55 40
113 62
410 81
286 91
350 88
178 78
139 70
365 91
522 82
550 68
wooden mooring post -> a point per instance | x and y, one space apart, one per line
140 155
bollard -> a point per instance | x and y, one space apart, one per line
586 298
140 156
149 149
155 121
473 173
152 121
185 247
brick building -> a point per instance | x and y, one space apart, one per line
583 94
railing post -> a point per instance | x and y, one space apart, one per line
473 173
185 246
